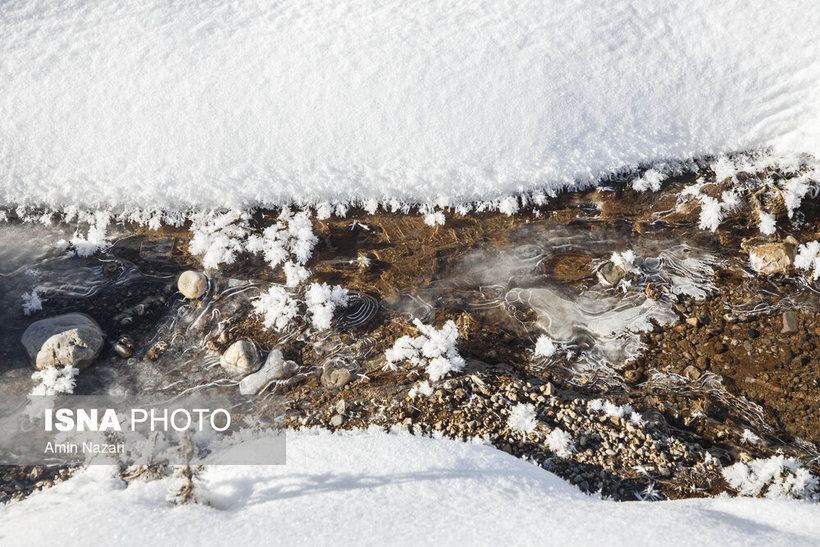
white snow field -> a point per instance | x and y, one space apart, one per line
371 488
161 104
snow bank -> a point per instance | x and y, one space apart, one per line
371 488
235 104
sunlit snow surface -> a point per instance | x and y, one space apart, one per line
189 103
371 488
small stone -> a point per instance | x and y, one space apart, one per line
337 420
335 375
789 323
72 339
124 347
692 321
691 372
241 356
609 274
772 258
275 368
192 284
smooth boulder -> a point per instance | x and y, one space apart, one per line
275 368
192 284
70 340
240 357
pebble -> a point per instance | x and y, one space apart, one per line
192 284
241 356
789 323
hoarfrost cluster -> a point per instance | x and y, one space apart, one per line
289 243
434 349
808 258
611 410
53 381
775 477
522 418
322 301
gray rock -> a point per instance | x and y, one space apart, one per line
73 339
275 368
240 357
789 323
192 284
337 420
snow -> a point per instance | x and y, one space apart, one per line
236 104
371 488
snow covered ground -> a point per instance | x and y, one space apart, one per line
232 104
371 488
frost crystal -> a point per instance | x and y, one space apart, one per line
624 260
808 258
322 300
559 442
544 346
434 219
52 381
434 349
767 223
775 477
276 307
522 418
651 180
32 302
749 437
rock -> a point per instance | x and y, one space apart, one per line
192 284
73 339
691 372
609 274
241 356
789 323
692 321
275 368
335 374
124 347
772 258
337 420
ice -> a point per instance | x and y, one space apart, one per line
235 104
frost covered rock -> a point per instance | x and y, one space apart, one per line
192 284
275 368
70 340
241 357
772 258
